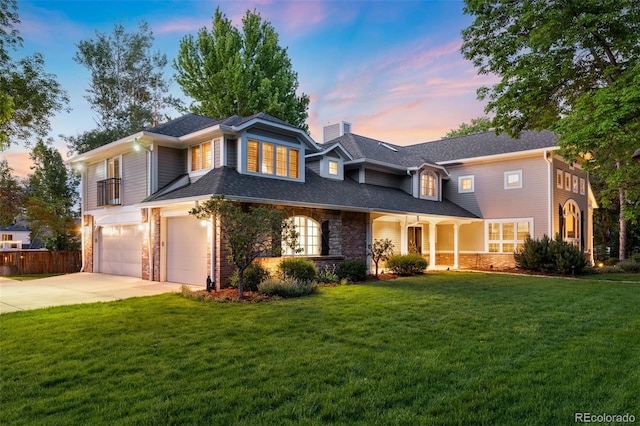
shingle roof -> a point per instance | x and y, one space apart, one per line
190 123
464 147
316 190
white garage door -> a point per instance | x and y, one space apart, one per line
120 251
186 251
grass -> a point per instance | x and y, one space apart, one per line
456 348
28 277
629 277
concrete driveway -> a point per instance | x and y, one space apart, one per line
71 289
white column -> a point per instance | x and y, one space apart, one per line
456 235
432 246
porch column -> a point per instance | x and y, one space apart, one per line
456 235
432 246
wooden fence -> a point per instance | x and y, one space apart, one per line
23 262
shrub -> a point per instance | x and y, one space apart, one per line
327 275
300 269
611 261
407 264
547 255
286 287
352 270
629 265
636 257
253 275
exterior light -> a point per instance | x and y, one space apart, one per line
203 223
636 155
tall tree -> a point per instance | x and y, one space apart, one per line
51 199
128 89
478 125
11 195
29 96
229 72
572 67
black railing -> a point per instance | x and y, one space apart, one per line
109 192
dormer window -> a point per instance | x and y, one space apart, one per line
333 168
273 159
201 158
429 185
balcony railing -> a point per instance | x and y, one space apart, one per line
109 191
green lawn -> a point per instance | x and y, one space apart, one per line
456 348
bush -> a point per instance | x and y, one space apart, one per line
253 275
547 255
636 257
611 261
327 275
352 270
407 264
286 287
629 265
300 269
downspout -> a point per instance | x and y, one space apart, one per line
547 155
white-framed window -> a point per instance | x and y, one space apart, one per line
429 185
7 237
309 237
273 159
333 168
513 179
559 178
571 223
201 156
583 186
507 235
567 181
465 184
575 184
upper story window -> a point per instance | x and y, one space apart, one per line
272 159
333 168
201 157
513 179
428 185
309 237
465 184
7 237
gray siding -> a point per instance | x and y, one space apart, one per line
374 177
314 166
134 177
217 152
259 133
232 152
491 201
562 195
171 164
95 173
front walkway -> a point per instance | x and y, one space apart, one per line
77 288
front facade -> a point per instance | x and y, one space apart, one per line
14 237
461 203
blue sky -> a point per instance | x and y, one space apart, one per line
391 68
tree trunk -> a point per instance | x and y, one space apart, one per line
623 228
240 283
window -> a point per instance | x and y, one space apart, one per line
575 184
414 235
513 180
333 168
7 237
201 157
583 186
114 173
272 159
465 184
571 223
567 181
559 179
507 236
308 239
428 185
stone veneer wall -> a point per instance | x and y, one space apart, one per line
88 241
477 260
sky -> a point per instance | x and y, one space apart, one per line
393 69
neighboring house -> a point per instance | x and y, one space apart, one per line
14 237
467 202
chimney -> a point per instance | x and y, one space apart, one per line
333 131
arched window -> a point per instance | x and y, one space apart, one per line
428 185
571 223
309 242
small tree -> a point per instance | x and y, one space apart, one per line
380 250
247 232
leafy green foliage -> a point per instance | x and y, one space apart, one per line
29 96
300 269
478 125
231 72
407 264
128 90
252 276
352 270
286 287
50 200
547 255
11 195
380 250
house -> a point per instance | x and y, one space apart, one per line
14 237
467 202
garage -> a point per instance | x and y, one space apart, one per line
186 250
120 250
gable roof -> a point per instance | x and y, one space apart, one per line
315 192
